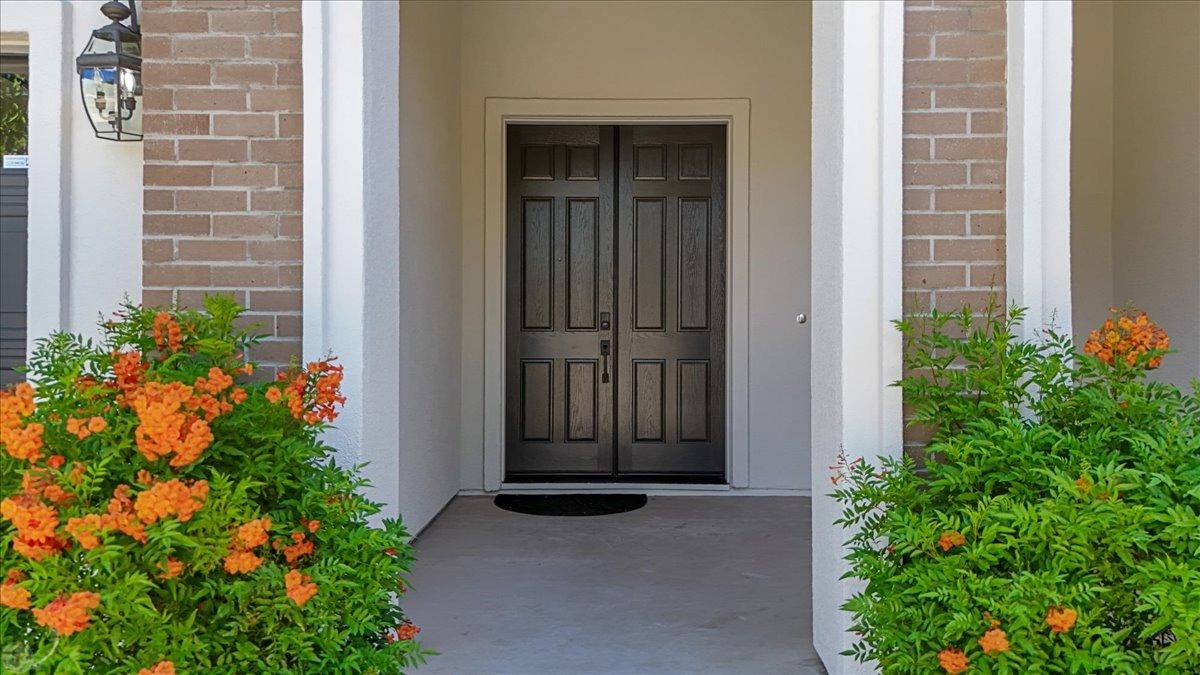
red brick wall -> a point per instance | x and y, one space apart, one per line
954 155
222 157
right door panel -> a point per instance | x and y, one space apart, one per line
671 288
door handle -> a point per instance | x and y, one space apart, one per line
604 349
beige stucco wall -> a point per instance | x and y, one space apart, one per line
1091 165
1154 158
758 50
1156 170
430 326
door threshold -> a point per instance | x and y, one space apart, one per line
558 486
651 489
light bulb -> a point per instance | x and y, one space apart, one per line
128 81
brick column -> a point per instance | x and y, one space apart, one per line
954 158
223 160
954 153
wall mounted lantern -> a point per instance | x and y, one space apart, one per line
110 75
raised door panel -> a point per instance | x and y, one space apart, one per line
693 401
537 393
694 243
649 230
649 401
582 398
537 264
583 265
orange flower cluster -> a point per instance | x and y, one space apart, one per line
68 615
23 441
950 539
1060 619
120 515
952 660
299 587
128 370
86 529
405 631
167 334
312 395
210 389
165 427
241 558
254 533
172 497
300 547
994 641
36 483
241 562
160 668
1126 338
171 568
12 595
35 523
82 428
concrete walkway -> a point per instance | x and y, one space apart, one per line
684 585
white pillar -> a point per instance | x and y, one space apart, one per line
352 223
1038 202
856 262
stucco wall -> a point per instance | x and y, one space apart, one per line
1156 171
430 259
1091 166
757 50
1136 142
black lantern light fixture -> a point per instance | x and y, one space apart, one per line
110 75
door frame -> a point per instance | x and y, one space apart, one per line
734 113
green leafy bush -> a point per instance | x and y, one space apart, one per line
1053 526
162 511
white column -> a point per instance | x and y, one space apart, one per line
1038 202
351 223
856 262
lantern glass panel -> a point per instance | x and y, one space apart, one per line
112 92
130 85
101 98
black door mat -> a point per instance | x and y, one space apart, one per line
570 505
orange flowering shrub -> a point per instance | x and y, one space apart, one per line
1130 339
1054 524
163 511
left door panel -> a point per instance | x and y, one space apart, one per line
559 290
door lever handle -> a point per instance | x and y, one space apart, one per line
604 349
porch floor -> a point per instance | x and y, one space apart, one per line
683 585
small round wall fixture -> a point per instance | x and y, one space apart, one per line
110 75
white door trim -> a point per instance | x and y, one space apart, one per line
735 114
1038 199
856 276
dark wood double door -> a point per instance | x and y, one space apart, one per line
615 311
